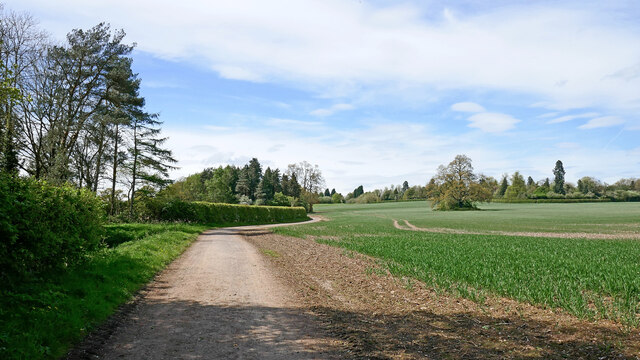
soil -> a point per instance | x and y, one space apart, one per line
247 293
380 316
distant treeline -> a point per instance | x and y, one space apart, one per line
515 188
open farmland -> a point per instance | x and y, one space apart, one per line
587 277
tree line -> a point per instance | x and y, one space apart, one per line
298 185
456 185
73 113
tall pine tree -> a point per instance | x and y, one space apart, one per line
558 182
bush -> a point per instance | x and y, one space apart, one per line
44 227
212 213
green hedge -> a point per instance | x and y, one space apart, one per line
213 213
521 201
43 226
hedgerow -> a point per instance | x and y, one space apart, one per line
214 213
43 226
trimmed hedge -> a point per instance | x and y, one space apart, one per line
540 201
214 213
44 227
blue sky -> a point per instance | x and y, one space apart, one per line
378 92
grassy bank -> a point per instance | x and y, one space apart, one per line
41 317
586 277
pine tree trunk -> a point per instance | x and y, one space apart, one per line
134 169
115 173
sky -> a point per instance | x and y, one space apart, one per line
379 92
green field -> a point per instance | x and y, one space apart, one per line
586 277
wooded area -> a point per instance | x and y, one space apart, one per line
73 112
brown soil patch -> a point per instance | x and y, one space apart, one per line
619 235
377 315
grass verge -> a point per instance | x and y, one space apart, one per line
42 317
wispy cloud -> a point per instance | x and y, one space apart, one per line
332 110
492 122
467 107
525 48
298 124
566 118
602 122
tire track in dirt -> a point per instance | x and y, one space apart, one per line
599 236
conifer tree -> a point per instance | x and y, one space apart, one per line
149 161
503 186
242 186
558 173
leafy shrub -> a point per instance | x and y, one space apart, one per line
44 226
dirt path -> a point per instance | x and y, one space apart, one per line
219 300
620 235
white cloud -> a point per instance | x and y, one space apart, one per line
237 73
291 123
332 110
566 118
348 45
217 128
492 122
602 122
377 155
548 115
467 107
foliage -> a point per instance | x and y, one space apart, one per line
337 198
504 185
457 187
161 209
517 189
45 227
558 183
590 278
41 317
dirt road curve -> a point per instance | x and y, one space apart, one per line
219 300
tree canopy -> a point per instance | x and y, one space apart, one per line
457 186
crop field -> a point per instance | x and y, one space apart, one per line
475 254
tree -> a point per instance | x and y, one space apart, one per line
405 186
358 191
457 187
558 183
220 187
267 186
327 192
530 182
21 47
517 189
254 175
290 185
243 185
309 176
149 161
311 181
503 186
